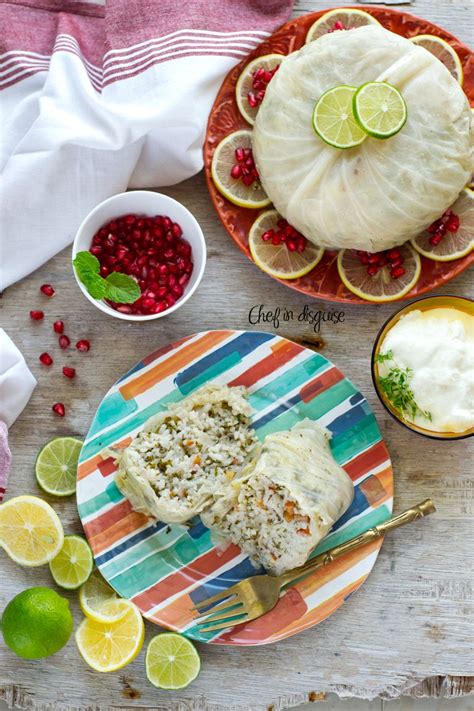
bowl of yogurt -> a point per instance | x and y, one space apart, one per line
423 366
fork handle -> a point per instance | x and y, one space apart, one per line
419 511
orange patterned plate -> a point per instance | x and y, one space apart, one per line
323 281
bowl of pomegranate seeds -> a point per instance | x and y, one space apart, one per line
139 255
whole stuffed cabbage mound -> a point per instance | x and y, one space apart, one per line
383 192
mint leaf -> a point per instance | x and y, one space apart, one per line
86 263
95 285
121 288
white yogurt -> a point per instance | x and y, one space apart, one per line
438 346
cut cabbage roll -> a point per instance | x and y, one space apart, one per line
383 192
186 456
288 498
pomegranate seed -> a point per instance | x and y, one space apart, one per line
397 272
46 359
452 225
69 372
176 230
236 172
396 262
58 326
374 258
268 235
37 315
166 223
291 245
393 254
435 240
47 289
239 155
64 342
130 219
248 180
148 304
59 409
276 239
160 306
123 308
83 345
364 258
183 279
96 251
170 300
301 244
372 270
177 291
252 99
338 25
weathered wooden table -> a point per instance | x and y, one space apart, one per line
408 630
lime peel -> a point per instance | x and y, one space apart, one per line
73 564
172 661
333 119
379 109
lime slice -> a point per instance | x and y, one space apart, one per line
108 646
339 19
56 466
453 244
333 120
30 530
381 286
379 109
251 86
73 564
172 661
443 51
99 602
225 159
277 259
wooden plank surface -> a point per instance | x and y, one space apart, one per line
407 630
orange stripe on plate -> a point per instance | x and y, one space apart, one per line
176 615
90 465
373 457
320 383
107 537
186 576
172 364
283 351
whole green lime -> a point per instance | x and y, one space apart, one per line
37 623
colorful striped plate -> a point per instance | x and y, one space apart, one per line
165 569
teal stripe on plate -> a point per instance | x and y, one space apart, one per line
356 439
360 525
150 571
211 373
286 382
143 550
111 495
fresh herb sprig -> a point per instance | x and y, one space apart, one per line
117 287
396 386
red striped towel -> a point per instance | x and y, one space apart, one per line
96 99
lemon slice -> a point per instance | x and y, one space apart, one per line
99 602
381 286
107 646
73 564
333 119
246 92
30 530
172 661
453 244
443 51
277 259
56 466
225 160
379 109
339 19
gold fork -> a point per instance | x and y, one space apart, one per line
253 597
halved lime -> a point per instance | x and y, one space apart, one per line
443 51
276 259
333 120
379 109
73 564
172 661
454 244
250 88
345 18
56 466
99 602
225 160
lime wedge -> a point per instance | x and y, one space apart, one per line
333 120
379 109
73 564
172 661
99 602
56 466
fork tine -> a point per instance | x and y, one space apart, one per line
215 598
233 608
228 622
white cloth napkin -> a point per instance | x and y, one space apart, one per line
96 99
16 385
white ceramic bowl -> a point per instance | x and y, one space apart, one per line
143 202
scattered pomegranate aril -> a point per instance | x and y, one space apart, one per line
453 223
260 80
83 345
338 25
372 270
64 342
59 409
397 272
47 290
244 169
435 239
391 259
236 171
58 326
69 372
46 359
285 234
37 315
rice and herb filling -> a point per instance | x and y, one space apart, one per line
187 456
